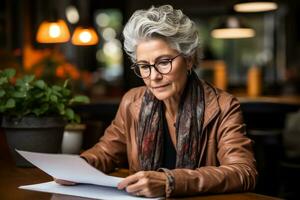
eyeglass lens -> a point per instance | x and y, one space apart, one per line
163 67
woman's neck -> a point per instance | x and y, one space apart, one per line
172 103
171 106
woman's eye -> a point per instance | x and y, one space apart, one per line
143 67
163 63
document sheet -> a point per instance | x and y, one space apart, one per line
84 190
69 167
92 182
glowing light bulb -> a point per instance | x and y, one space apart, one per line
54 30
85 36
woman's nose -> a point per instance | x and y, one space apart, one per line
155 74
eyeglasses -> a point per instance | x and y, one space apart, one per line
163 66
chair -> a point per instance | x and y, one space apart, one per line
290 162
265 125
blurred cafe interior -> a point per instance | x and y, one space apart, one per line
253 54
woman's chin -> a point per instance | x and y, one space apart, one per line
162 95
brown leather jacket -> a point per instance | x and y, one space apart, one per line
227 163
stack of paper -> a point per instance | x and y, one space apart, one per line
92 182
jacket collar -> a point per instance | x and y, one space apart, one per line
212 107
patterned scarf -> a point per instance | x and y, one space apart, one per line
188 128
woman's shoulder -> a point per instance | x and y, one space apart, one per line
226 97
131 101
133 95
222 97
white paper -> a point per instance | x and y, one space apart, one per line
84 190
70 168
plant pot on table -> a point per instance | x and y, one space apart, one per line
37 134
72 139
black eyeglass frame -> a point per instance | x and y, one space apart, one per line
136 65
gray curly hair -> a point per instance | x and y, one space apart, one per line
166 23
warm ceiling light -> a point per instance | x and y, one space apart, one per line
85 36
53 32
72 14
232 33
232 28
255 6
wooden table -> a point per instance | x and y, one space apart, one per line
11 177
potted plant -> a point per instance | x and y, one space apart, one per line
34 113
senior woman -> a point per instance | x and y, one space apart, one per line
179 135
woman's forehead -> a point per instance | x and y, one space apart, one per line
149 50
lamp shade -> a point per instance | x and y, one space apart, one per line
53 32
85 36
255 6
232 28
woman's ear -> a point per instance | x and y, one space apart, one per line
189 62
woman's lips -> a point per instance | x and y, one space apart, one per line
159 87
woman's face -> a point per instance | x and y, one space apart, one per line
169 85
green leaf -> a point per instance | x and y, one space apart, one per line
66 83
9 73
28 78
20 83
41 110
80 99
56 88
61 108
3 80
40 84
70 114
18 94
11 103
53 98
38 95
66 92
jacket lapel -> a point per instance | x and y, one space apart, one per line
212 107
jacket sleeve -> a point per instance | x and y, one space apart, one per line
110 151
237 169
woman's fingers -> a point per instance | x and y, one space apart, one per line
63 182
129 180
145 183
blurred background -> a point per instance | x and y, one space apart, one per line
253 54
101 69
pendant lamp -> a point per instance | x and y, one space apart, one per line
232 28
53 29
53 32
255 6
84 34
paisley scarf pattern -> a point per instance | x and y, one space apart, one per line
188 128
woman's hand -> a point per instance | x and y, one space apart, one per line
145 183
63 182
